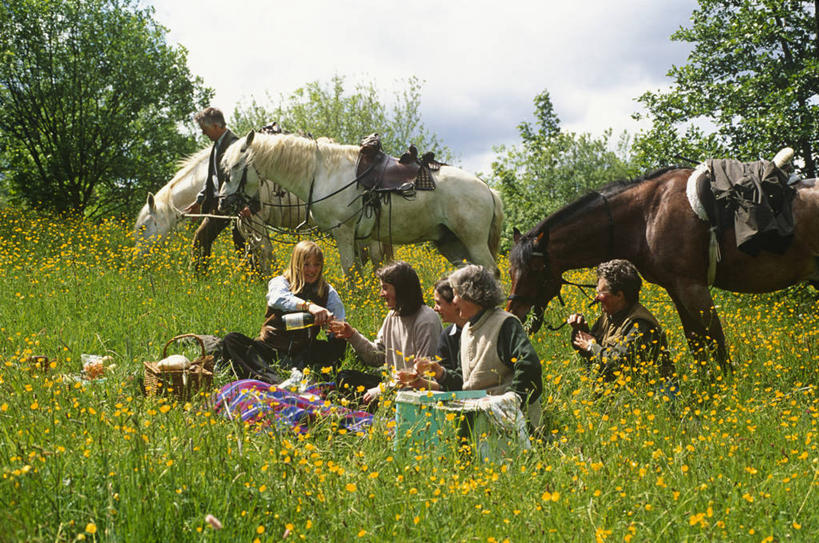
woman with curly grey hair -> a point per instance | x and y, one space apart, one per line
496 354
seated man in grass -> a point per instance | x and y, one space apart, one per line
626 336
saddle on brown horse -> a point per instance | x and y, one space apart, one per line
377 171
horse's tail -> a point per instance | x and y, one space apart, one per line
496 227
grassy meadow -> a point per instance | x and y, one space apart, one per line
733 458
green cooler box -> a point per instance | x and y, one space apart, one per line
430 419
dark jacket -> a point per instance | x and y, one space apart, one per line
630 340
449 349
755 199
207 196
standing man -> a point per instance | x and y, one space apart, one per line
212 123
626 336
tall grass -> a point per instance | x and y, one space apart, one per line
732 458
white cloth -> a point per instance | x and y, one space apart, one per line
502 412
505 415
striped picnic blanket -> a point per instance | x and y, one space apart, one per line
257 401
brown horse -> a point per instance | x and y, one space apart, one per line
649 221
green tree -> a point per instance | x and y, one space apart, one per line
330 110
551 167
748 89
91 103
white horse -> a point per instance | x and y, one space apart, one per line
162 212
462 216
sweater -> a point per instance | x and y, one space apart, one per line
400 340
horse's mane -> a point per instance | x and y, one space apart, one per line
522 251
292 154
186 166
612 189
622 185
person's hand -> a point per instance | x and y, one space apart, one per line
424 366
577 321
266 332
372 394
320 314
411 379
341 329
408 378
245 212
192 209
582 340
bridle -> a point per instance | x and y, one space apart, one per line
539 303
538 300
237 199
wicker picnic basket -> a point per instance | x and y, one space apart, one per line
184 383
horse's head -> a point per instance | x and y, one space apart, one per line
243 180
154 222
534 283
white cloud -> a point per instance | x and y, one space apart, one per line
483 62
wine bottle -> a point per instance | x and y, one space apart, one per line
297 321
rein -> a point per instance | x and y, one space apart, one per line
208 216
310 200
360 196
310 194
582 288
348 185
539 309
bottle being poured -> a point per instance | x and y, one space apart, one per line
298 321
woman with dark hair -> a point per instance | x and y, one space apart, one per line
410 330
495 352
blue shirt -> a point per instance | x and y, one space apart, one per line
280 297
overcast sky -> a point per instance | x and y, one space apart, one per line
482 62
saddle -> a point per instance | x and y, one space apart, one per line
273 128
377 171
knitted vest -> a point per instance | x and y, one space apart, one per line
481 367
